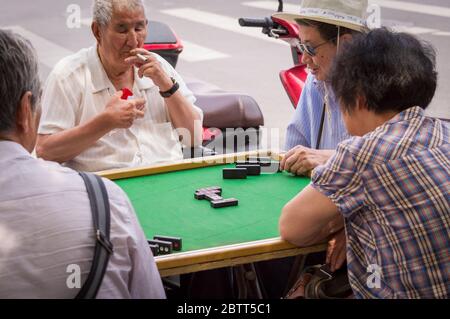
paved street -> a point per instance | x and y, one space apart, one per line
218 51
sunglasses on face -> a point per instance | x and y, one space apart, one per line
309 49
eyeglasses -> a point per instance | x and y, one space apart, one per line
310 50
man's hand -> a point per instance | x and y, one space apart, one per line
337 250
151 68
302 160
122 113
182 112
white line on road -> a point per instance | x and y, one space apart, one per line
86 22
273 6
413 30
414 7
442 33
397 5
48 52
192 52
195 53
220 22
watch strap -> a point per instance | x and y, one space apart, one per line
172 90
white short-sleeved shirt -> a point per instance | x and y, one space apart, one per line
46 226
78 89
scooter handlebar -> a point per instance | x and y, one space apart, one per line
258 23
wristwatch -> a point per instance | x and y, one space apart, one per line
172 90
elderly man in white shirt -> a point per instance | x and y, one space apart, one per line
87 126
45 216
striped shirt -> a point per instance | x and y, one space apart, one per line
46 229
393 188
304 126
78 89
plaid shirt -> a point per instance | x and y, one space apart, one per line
393 188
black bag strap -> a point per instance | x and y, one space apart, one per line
98 197
322 120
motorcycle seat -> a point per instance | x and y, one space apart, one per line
222 109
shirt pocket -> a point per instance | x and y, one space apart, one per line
155 108
165 132
161 138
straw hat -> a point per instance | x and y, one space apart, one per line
350 14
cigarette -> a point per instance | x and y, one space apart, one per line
142 58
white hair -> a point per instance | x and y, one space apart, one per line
103 9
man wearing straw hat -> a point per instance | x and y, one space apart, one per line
317 126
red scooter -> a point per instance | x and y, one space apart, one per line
232 121
293 79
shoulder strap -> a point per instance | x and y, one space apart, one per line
98 198
319 135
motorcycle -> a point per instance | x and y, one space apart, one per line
232 121
294 78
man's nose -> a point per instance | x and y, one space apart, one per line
306 58
132 39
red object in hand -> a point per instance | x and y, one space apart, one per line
126 93
210 133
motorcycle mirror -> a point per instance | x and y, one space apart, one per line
280 6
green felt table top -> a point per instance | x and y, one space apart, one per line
165 205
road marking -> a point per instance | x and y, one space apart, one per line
86 22
442 33
49 53
413 30
192 52
414 7
390 4
273 6
220 22
195 53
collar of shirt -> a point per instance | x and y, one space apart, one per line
100 80
11 150
406 115
324 88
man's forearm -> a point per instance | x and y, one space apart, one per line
184 116
328 229
309 218
66 145
319 234
327 153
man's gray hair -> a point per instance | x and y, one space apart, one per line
18 74
103 9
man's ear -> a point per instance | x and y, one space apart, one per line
96 31
24 116
347 37
361 102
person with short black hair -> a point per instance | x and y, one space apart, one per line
47 236
317 127
391 181
392 80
